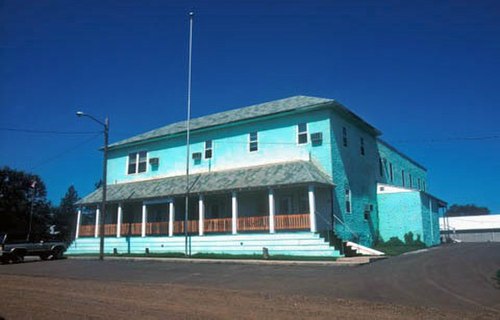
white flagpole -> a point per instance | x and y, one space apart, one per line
191 15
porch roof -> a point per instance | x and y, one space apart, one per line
273 175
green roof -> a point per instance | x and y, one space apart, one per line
296 103
273 175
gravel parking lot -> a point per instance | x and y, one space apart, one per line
449 282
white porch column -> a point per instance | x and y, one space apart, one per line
271 211
171 215
97 216
234 202
119 216
78 216
144 220
312 208
201 213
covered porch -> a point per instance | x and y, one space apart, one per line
214 208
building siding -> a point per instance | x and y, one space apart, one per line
277 142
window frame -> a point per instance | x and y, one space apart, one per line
391 171
362 146
381 167
403 178
300 133
207 149
348 200
344 137
137 162
253 142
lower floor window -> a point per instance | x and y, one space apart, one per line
348 200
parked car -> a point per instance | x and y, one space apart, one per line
14 248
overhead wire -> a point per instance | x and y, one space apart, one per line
35 131
64 152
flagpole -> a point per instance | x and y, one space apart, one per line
191 15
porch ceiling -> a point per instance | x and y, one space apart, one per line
274 175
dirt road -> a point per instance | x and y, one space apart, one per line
453 282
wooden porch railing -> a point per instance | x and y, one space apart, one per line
109 229
218 225
253 223
87 230
157 228
192 226
291 222
259 223
131 229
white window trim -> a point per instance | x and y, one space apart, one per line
346 135
297 134
205 149
250 141
348 198
137 163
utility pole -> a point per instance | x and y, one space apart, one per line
186 233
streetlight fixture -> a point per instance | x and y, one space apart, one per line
105 124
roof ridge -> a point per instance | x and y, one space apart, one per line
229 116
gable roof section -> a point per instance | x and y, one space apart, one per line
296 103
401 154
275 175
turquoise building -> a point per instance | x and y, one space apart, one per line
297 176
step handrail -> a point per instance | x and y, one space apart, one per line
346 226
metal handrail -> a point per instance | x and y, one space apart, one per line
346 226
325 220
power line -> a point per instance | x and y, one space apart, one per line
464 138
46 131
64 152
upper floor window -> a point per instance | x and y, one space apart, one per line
423 185
137 162
403 177
410 180
381 167
418 183
348 200
362 146
302 133
208 149
344 136
391 173
253 142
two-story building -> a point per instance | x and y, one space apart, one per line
284 175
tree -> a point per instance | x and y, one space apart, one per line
65 217
457 210
21 194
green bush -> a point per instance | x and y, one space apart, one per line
394 246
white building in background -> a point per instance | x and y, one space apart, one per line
484 228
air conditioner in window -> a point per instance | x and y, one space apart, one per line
154 161
196 155
317 138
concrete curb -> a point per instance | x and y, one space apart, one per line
348 262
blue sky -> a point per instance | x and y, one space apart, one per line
425 73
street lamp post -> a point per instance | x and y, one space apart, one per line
105 124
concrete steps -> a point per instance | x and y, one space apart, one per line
290 243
